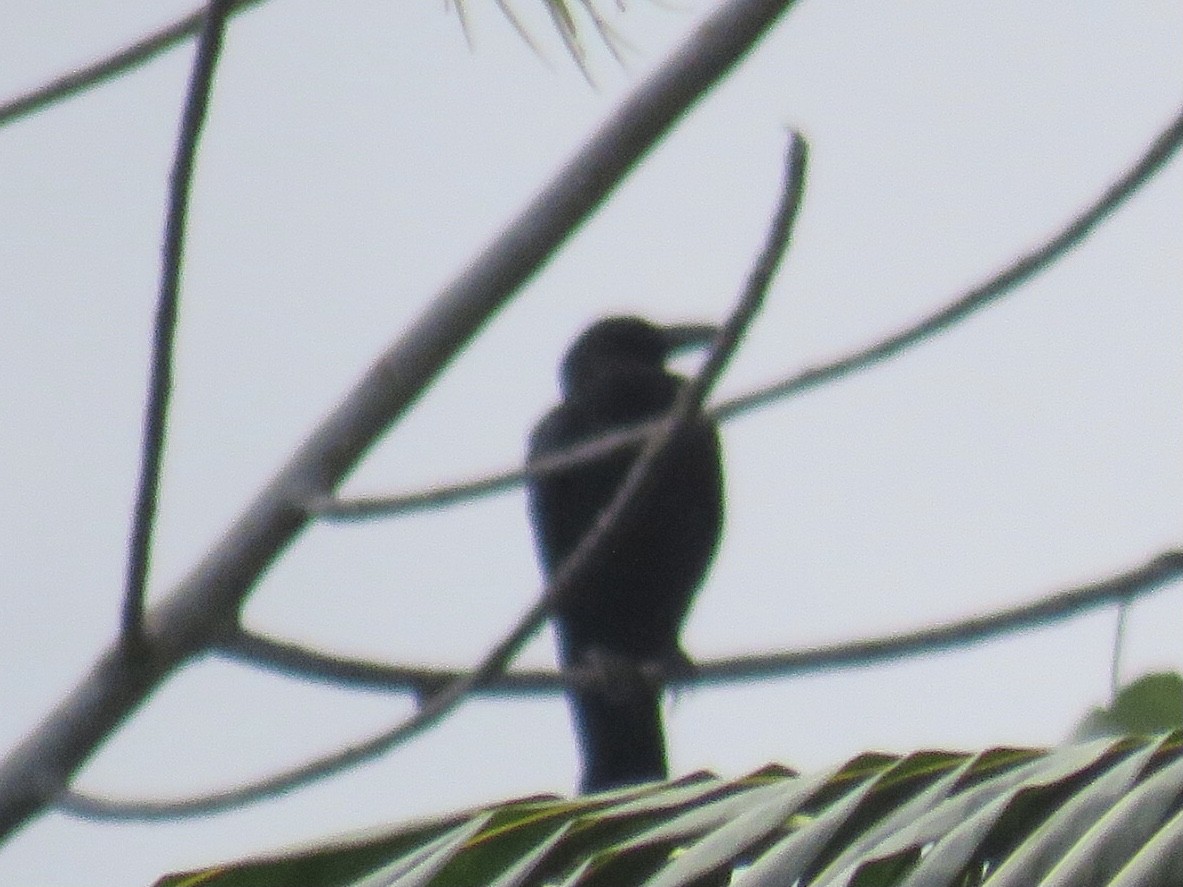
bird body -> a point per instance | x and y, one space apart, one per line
627 607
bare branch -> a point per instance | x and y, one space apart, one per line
301 662
295 660
566 576
1121 589
1164 146
209 46
371 507
143 50
692 399
1163 569
206 600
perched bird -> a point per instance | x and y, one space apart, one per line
627 608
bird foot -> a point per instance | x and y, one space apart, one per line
621 678
676 664
618 677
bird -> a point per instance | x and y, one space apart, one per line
625 611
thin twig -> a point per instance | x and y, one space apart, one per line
566 576
1164 146
143 50
1165 568
205 61
372 507
1121 589
756 289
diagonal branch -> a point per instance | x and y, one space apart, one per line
143 50
209 46
565 578
1164 146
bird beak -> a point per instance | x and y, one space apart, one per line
681 337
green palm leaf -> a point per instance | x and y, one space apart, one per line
1101 813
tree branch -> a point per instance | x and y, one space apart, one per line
205 61
143 50
1163 569
206 600
292 659
1165 145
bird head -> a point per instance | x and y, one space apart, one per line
628 340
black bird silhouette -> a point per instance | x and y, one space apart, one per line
627 608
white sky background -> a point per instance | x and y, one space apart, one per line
358 154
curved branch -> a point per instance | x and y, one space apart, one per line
1164 146
565 578
1124 587
289 658
294 660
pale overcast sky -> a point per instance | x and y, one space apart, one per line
358 154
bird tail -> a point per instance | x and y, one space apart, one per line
621 737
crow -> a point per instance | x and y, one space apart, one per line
626 609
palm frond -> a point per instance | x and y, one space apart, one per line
1106 812
565 16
